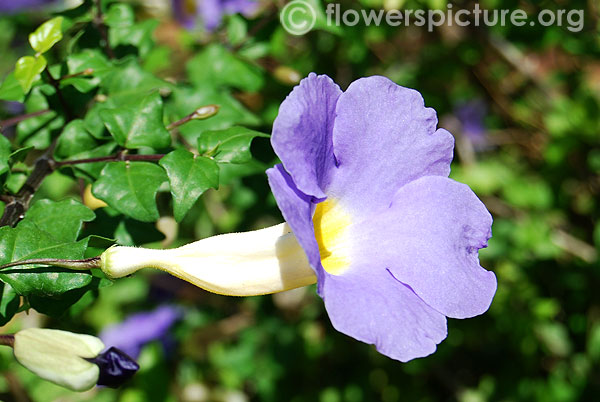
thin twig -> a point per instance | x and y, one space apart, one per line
7 340
84 264
17 119
112 158
99 22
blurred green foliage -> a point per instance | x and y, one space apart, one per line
536 165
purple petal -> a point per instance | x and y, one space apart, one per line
297 209
139 329
302 133
369 304
429 239
211 12
383 138
245 7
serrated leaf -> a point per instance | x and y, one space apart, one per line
27 70
138 126
62 220
47 34
189 176
11 89
231 145
130 188
4 154
74 139
216 66
26 242
9 303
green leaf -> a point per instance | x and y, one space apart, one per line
92 170
11 89
139 35
87 59
187 99
216 66
138 126
130 188
73 140
237 29
228 146
9 303
189 176
27 70
56 306
37 131
47 34
62 220
119 15
4 154
26 242
127 83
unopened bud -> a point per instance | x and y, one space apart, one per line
205 112
88 71
116 367
287 75
59 356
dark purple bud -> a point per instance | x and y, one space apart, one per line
116 367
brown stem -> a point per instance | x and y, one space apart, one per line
85 264
112 158
7 340
99 22
203 112
87 71
17 119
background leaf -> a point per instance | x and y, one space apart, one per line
231 145
189 176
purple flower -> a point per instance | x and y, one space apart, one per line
210 11
12 6
364 186
139 329
471 115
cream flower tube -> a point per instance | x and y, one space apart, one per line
260 262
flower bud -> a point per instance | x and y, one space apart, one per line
59 356
72 360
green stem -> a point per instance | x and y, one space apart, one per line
85 264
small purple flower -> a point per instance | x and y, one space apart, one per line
139 329
12 6
364 186
471 115
211 12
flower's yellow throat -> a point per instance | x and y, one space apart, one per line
331 231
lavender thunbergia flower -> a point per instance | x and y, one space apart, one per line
471 115
211 12
138 329
364 186
12 6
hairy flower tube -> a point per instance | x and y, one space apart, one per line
71 360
